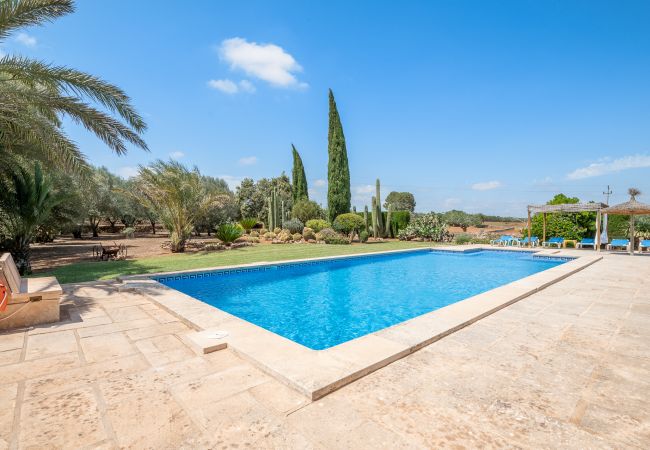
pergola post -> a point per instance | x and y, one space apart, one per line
530 244
598 217
544 228
631 234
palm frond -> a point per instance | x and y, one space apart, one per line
16 14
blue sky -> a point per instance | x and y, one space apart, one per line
482 106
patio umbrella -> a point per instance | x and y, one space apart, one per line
631 208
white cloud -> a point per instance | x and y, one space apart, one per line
230 87
320 183
176 155
232 181
486 185
248 161
127 171
26 40
268 62
608 165
225 86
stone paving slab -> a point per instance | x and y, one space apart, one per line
567 367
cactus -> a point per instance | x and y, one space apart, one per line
389 231
365 219
375 229
274 214
354 209
380 219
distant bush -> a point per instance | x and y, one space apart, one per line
305 210
427 226
128 232
348 223
330 236
462 239
363 236
293 226
228 233
317 224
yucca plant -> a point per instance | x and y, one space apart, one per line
228 233
26 202
177 195
35 96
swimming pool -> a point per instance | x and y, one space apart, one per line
323 303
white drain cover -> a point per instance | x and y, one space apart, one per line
217 335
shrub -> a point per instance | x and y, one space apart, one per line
330 236
363 236
398 221
128 232
427 226
254 234
269 235
293 226
248 223
461 219
297 237
463 238
228 233
284 236
308 233
348 223
317 224
277 230
305 210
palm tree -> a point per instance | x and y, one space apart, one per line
26 201
34 96
177 195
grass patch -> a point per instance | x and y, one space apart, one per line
106 270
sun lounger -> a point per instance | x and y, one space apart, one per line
534 242
619 243
30 301
503 240
557 241
587 242
644 244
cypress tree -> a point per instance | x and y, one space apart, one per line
338 172
299 188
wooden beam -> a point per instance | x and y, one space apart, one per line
530 244
598 217
544 228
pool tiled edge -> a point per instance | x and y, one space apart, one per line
316 373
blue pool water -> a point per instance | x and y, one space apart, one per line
325 303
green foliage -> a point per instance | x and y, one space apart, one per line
36 96
253 197
427 226
461 219
306 210
348 223
399 220
300 191
318 224
248 223
26 202
338 172
363 236
293 226
401 201
228 233
566 225
462 238
618 226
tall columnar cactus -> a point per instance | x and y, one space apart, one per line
388 217
380 219
365 219
375 229
275 218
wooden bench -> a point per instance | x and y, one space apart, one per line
31 301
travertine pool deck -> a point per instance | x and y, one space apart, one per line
568 366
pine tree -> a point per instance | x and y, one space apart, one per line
338 172
299 188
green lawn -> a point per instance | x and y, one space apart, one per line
104 270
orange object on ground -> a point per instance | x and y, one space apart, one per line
3 297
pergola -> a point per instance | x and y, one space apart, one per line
566 208
631 208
